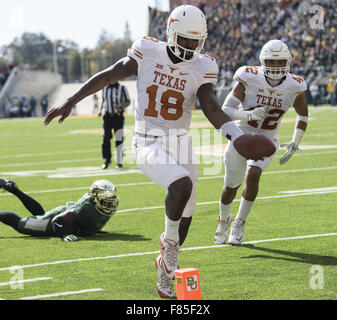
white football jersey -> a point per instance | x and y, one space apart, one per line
259 93
166 92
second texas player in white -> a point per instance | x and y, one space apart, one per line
266 92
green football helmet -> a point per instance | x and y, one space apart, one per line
104 194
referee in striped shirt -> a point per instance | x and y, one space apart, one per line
115 99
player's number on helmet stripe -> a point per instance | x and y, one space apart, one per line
166 104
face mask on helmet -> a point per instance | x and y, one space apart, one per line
186 23
104 194
275 50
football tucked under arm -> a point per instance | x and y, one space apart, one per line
254 146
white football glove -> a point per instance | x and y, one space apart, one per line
256 114
70 238
291 148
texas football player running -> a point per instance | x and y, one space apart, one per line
259 100
170 76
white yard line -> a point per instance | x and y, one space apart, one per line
61 294
48 162
24 281
309 190
318 191
151 183
156 252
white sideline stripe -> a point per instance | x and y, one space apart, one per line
61 294
24 281
150 182
156 252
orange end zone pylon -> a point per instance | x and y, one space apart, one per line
188 284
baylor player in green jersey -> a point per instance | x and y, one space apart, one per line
83 218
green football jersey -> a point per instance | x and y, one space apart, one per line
89 218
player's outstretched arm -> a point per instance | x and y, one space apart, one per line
66 226
120 70
301 108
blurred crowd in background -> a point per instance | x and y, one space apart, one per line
237 30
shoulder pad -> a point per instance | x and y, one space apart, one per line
140 46
246 74
298 83
208 67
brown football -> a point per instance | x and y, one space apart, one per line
254 146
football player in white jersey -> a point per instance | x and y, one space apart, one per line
268 91
171 75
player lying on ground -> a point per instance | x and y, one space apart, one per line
268 91
171 75
83 218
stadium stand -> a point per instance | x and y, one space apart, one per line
237 30
5 72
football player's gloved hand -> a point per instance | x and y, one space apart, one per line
256 114
291 148
70 238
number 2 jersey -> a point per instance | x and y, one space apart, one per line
259 93
167 91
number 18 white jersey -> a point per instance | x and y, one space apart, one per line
166 92
259 93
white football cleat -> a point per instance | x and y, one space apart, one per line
235 237
222 230
169 256
164 284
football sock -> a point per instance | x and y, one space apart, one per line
119 154
172 229
183 229
224 210
244 209
31 205
9 218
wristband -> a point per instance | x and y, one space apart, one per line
230 131
302 118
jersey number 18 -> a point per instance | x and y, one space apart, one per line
166 104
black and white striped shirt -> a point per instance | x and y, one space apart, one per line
114 96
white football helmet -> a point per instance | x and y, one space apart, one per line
104 194
189 22
275 50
